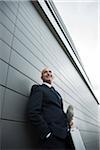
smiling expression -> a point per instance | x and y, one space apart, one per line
47 75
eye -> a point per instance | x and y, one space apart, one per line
45 72
50 71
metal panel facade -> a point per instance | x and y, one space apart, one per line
26 47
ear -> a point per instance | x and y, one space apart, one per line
41 77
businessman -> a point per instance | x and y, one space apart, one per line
45 111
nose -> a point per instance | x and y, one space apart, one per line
48 73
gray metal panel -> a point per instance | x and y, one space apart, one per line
85 115
1 98
29 13
30 44
15 106
22 65
7 11
86 126
6 21
28 41
3 72
91 140
0 134
31 30
80 111
4 51
27 54
16 136
5 34
19 82
12 6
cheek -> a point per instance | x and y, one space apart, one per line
44 76
52 76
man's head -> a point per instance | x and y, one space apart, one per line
47 75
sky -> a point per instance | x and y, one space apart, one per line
82 20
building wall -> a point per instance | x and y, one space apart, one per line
26 47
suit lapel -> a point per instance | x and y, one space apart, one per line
57 95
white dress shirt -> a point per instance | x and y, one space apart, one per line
49 85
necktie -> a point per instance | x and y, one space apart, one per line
58 95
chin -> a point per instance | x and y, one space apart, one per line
48 81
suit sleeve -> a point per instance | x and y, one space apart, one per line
34 111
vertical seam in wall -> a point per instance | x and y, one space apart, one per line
10 58
0 132
3 101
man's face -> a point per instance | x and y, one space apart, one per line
47 75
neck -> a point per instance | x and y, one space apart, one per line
49 82
46 83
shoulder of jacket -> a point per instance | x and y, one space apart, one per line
34 88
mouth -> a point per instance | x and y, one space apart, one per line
49 76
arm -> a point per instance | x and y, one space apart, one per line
34 111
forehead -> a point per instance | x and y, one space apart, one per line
46 70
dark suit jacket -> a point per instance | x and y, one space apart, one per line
45 110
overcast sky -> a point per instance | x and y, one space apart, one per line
82 19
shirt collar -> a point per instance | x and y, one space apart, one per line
49 85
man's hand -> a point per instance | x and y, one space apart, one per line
72 124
